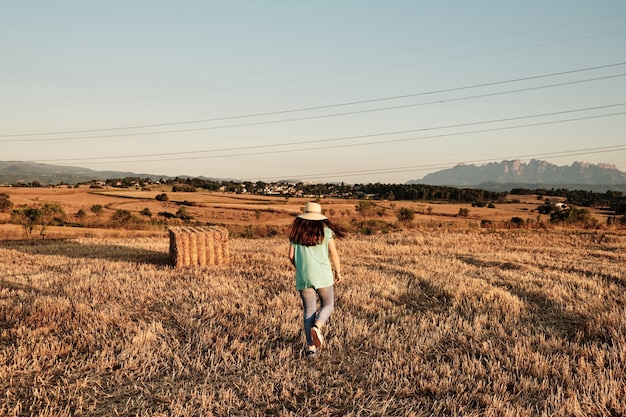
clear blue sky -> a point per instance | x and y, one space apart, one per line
353 91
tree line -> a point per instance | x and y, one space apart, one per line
376 191
611 200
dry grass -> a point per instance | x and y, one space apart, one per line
240 210
427 322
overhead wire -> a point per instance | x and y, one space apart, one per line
328 106
313 117
249 149
272 148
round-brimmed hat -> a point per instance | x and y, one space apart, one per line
312 211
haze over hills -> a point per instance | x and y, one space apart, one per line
502 176
506 175
15 172
24 172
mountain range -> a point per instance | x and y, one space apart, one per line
506 175
502 176
16 172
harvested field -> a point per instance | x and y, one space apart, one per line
427 322
241 210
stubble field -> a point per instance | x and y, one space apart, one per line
428 322
241 210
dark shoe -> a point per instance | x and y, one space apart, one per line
318 338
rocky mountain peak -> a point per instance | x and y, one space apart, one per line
535 172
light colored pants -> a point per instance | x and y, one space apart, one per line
309 302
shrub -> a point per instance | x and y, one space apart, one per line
574 216
405 214
518 221
97 209
162 197
183 214
183 188
370 227
43 216
365 208
5 202
167 215
545 209
121 216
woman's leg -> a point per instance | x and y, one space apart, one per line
327 301
309 302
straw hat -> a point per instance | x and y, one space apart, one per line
312 211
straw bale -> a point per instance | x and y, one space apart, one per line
191 246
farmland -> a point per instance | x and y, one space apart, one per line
238 211
440 318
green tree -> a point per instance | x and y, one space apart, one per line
42 217
51 213
28 217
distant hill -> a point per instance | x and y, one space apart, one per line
535 174
14 172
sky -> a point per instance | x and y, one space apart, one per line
326 91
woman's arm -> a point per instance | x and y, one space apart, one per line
334 257
292 254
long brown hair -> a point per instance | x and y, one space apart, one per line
311 232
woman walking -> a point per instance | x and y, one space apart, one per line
312 250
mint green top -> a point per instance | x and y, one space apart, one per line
313 268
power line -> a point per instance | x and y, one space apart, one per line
379 142
313 117
250 148
322 107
